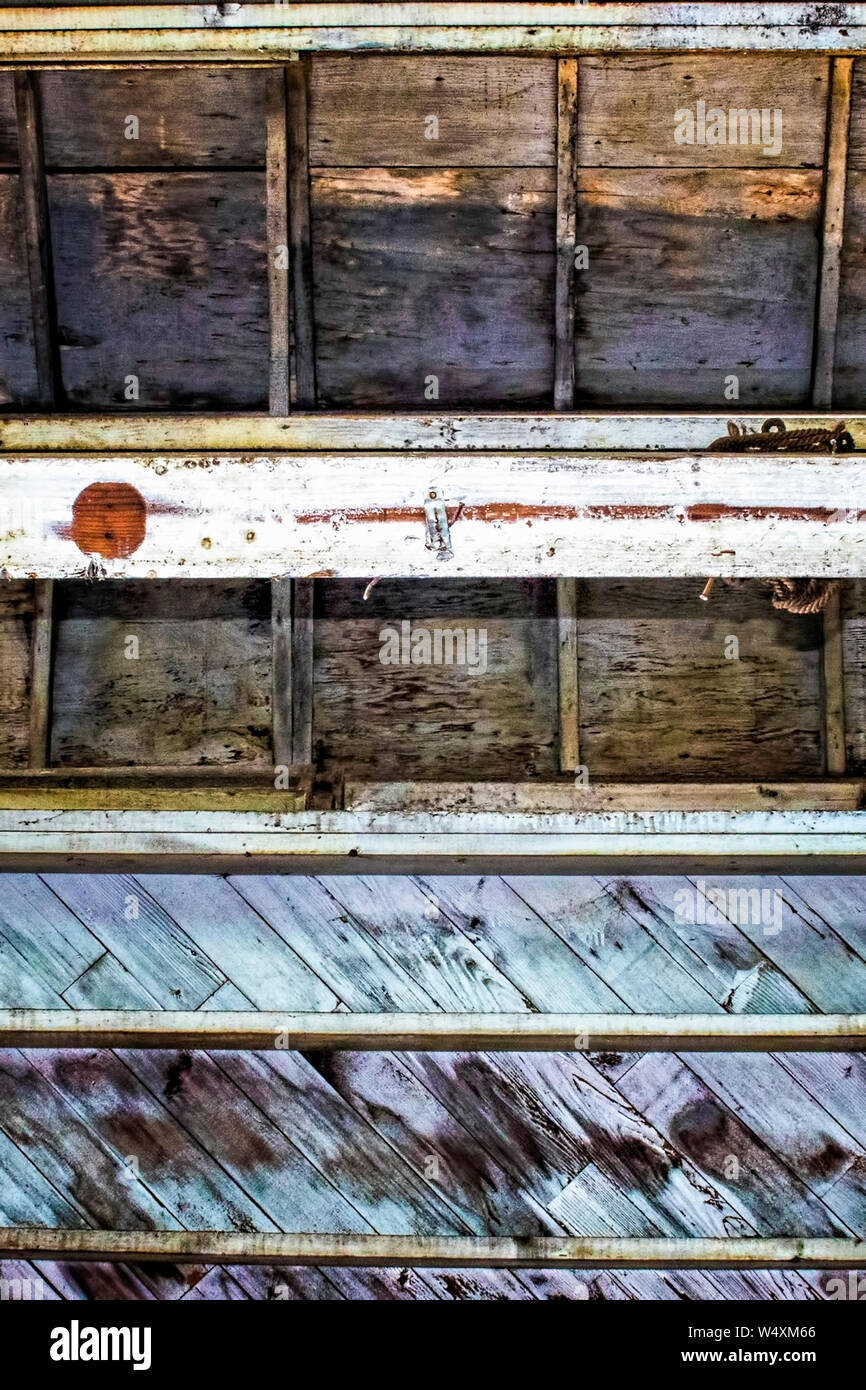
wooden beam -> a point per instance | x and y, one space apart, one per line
302 670
356 842
405 432
431 1032
41 669
277 231
566 232
163 32
37 235
833 687
303 317
436 1252
528 515
836 168
281 670
567 667
566 798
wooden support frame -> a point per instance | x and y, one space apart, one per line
136 33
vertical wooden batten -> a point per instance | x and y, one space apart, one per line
303 337
37 231
832 231
836 166
277 222
564 387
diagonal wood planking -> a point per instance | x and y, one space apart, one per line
497 1144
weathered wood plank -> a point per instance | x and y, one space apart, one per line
500 432
144 33
303 669
186 314
566 232
41 672
375 111
429 306
187 117
832 231
579 1252
16 639
303 515
487 707
849 374
167 674
430 1032
301 236
833 687
37 233
853 606
665 317
568 671
281 671
19 383
632 107
277 233
559 797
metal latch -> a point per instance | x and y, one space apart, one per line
438 531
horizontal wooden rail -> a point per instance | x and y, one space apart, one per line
432 1032
213 32
433 1252
354 515
556 798
354 842
402 431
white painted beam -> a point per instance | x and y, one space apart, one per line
354 514
122 33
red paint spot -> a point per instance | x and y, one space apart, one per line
108 519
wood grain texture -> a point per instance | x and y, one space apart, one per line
696 276
857 128
188 117
41 672
658 692
302 690
833 687
436 720
16 637
372 111
628 105
832 232
849 378
277 229
853 610
568 671
8 128
162 276
566 226
301 237
446 274
19 383
199 690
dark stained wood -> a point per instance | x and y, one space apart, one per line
16 635
491 111
18 379
696 276
162 276
434 273
849 379
188 117
627 107
300 234
8 123
37 232
199 691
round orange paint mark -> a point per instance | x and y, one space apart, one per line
108 519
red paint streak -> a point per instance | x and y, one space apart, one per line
108 519
520 511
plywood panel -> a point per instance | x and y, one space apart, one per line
446 274
16 621
660 699
164 277
696 276
628 106
199 691
418 721
849 379
488 111
186 116
18 384
8 131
